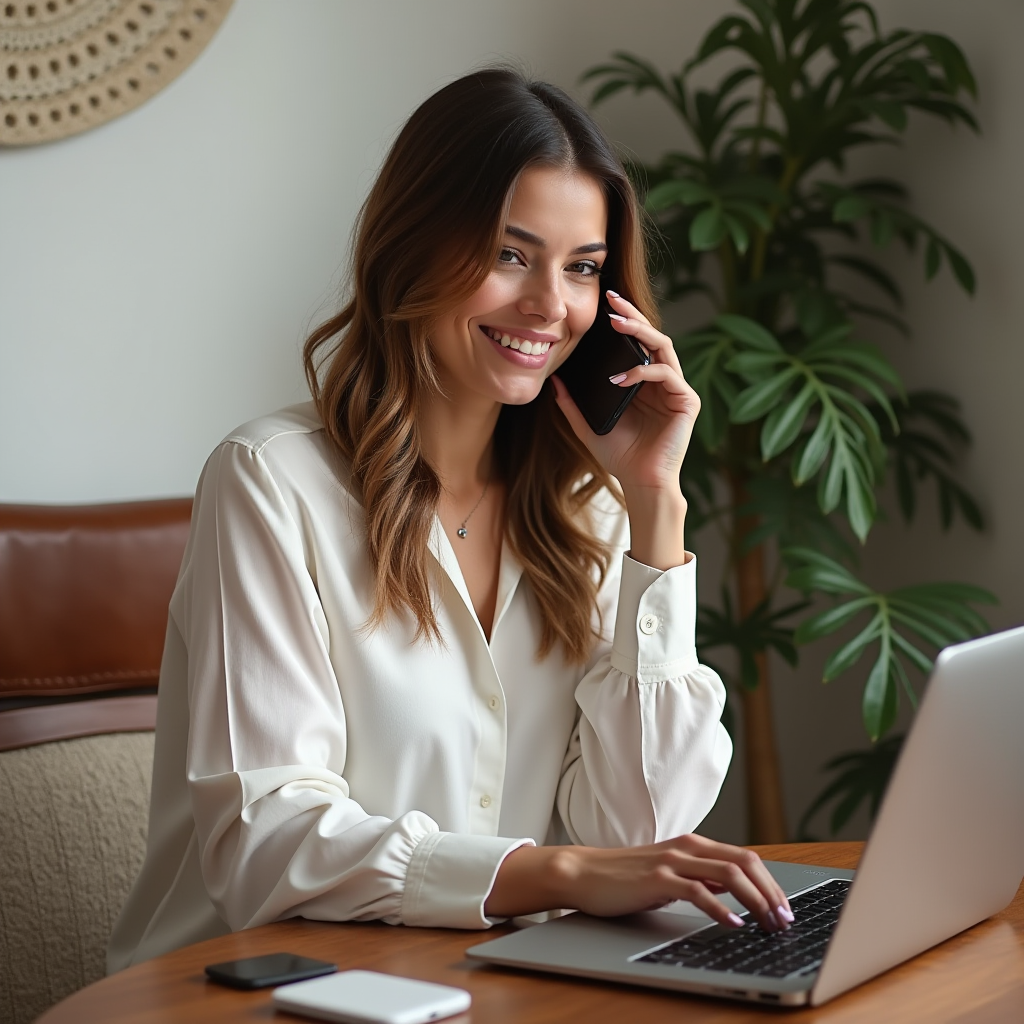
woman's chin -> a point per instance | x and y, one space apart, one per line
521 393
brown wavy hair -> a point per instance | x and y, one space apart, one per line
428 235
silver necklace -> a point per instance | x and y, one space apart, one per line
462 531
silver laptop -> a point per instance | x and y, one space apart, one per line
946 852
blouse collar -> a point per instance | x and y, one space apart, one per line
509 573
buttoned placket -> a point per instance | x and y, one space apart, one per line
485 794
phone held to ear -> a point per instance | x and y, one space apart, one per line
366 997
602 353
264 971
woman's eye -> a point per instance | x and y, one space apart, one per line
585 268
509 256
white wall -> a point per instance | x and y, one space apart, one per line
158 274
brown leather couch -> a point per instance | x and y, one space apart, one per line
83 611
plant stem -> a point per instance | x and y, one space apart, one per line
761 243
766 816
727 261
762 111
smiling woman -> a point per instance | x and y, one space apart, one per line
430 658
440 255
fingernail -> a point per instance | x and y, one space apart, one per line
613 294
615 316
736 921
774 921
618 378
786 915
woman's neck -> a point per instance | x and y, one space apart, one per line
457 440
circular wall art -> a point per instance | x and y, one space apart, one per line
70 65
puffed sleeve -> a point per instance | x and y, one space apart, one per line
649 753
278 832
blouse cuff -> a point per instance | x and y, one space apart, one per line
655 621
450 876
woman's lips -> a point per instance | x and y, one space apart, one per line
520 350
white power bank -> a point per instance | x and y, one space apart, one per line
366 997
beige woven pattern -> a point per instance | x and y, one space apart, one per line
69 65
73 819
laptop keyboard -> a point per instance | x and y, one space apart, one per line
750 950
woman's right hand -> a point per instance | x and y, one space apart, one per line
610 882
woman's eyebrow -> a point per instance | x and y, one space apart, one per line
592 247
528 236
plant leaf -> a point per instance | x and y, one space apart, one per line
669 193
830 620
851 208
850 653
750 332
753 366
814 451
816 571
860 776
756 400
880 695
961 270
784 423
708 229
737 231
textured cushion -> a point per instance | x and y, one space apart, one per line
73 820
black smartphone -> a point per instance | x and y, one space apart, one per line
264 971
601 353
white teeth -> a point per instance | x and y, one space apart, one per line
528 348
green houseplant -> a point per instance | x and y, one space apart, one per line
803 417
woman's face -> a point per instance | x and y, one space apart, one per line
538 300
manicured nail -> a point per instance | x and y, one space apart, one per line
615 316
614 295
786 915
736 921
618 378
774 922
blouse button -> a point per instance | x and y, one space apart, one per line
649 624
485 801
493 703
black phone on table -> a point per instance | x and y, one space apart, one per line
602 353
267 970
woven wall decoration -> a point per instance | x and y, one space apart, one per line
69 65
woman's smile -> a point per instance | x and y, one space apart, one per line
523 347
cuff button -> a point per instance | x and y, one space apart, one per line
648 624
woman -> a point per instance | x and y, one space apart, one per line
430 657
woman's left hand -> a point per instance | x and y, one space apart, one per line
645 449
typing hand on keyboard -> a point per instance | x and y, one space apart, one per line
751 950
609 882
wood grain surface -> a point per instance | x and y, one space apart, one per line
976 977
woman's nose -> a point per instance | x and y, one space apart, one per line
542 296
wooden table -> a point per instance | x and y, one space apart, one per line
974 978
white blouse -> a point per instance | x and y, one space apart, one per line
306 767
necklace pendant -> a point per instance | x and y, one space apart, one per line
462 532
